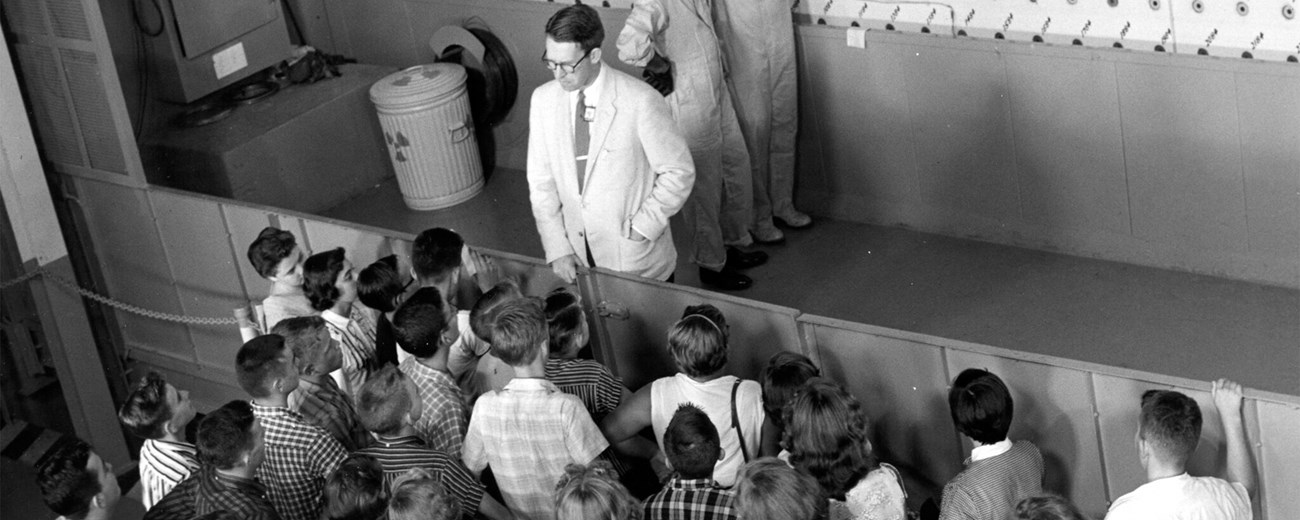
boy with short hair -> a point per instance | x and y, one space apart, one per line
299 456
76 483
770 489
275 255
529 431
158 412
426 328
232 447
318 398
488 372
417 495
1000 473
390 405
356 491
1168 432
438 255
693 448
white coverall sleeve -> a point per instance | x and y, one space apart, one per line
542 192
670 160
644 27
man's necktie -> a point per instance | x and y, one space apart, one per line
581 137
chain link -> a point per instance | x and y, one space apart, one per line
70 285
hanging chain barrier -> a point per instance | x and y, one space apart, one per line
72 286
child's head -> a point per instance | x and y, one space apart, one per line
74 480
230 437
276 256
519 332
480 318
691 443
156 409
1169 426
566 323
769 489
425 323
417 495
698 341
981 406
436 256
264 367
388 401
381 285
785 374
593 492
1047 507
355 491
328 278
826 432
315 352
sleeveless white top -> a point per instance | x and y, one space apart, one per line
714 397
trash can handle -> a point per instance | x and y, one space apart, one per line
459 132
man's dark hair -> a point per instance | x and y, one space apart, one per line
319 275
691 442
225 434
355 491
67 486
436 253
146 412
300 334
981 406
519 331
258 363
1171 422
379 283
419 323
484 312
578 24
270 247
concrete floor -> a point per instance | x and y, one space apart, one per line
1163 321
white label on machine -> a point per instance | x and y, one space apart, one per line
229 60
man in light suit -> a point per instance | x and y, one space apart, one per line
606 163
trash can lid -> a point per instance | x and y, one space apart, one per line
418 85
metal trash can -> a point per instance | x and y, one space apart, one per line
424 111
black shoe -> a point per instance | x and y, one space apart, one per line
741 260
727 279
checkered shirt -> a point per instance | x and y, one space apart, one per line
163 465
325 406
206 491
399 454
299 457
690 499
442 422
528 433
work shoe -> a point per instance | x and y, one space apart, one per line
740 260
766 233
794 220
727 279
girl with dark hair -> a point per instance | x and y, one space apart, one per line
330 282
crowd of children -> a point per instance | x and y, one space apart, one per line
372 399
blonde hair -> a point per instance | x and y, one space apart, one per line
593 492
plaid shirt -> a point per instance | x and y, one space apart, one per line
442 422
325 406
527 433
690 499
163 465
399 454
299 457
207 490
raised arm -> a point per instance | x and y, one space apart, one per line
632 416
637 41
1241 465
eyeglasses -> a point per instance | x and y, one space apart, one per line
568 68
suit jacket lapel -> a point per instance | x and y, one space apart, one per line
604 119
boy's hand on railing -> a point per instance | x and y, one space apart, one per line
1227 397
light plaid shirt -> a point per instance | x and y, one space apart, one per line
163 465
299 457
528 433
442 422
325 406
690 499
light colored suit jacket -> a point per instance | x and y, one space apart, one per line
639 173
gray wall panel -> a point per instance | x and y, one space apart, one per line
244 223
1270 149
1279 463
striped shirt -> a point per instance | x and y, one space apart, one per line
207 490
356 337
991 487
399 454
299 457
590 381
442 421
325 406
690 499
528 433
163 465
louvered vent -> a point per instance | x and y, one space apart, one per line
69 19
53 115
86 86
26 17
